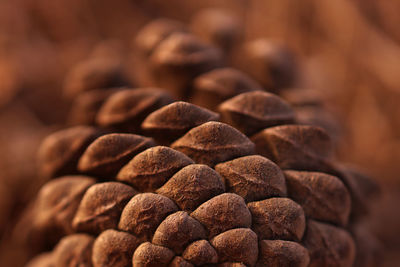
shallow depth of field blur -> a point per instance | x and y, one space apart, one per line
348 50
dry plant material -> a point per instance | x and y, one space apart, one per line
114 248
149 255
200 253
101 207
59 152
128 108
280 253
252 177
106 155
144 213
192 186
323 197
278 218
232 211
150 169
214 142
216 86
254 111
328 245
174 120
297 147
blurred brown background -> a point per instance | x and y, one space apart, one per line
348 50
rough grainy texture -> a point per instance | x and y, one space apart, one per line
323 197
233 213
208 199
150 169
174 120
149 255
252 112
214 142
216 86
278 218
237 245
108 153
177 231
200 253
126 109
280 253
192 186
144 212
113 248
60 151
101 207
252 177
296 147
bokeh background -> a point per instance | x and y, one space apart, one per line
348 50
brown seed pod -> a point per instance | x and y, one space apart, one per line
296 147
56 205
217 27
232 213
252 177
125 110
200 253
42 260
108 153
179 59
86 105
151 168
177 231
237 245
278 218
328 245
113 248
213 87
279 253
180 262
174 120
149 255
192 186
59 152
101 207
270 63
322 196
254 111
214 142
144 213
94 73
152 34
74 249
